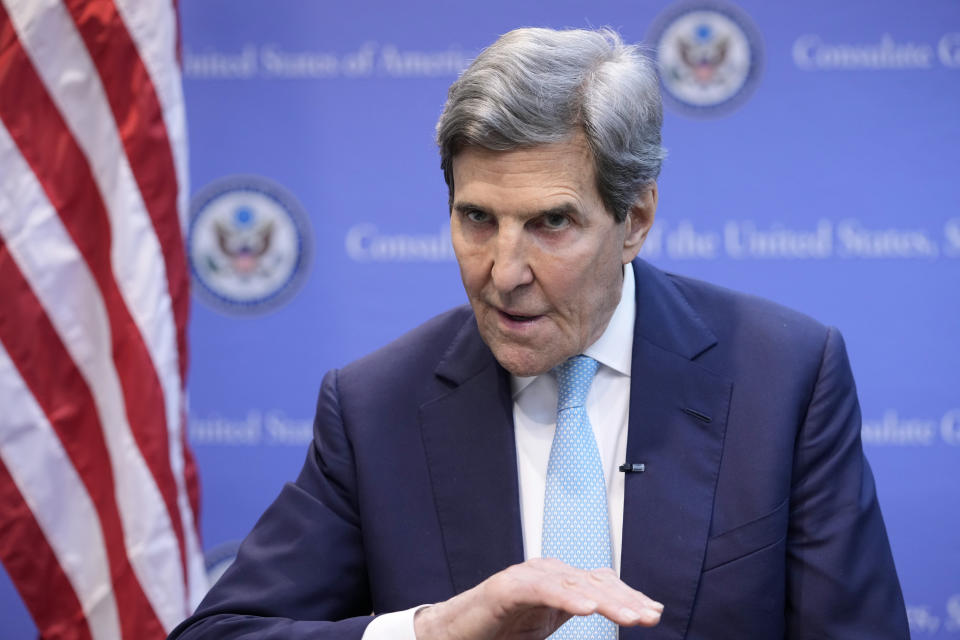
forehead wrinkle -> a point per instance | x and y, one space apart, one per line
574 151
527 181
523 193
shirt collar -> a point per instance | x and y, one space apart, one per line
614 348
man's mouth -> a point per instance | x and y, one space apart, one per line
517 317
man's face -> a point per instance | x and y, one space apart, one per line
540 257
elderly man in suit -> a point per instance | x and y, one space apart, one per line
593 448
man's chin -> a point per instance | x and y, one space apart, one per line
525 362
525 355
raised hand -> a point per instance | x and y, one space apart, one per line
529 601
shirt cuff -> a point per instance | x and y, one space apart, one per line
393 626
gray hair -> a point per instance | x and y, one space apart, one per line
540 86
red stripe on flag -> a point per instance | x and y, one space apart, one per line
42 584
65 175
59 388
134 102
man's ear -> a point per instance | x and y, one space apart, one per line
638 222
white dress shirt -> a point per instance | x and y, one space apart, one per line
535 420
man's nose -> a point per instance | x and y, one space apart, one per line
511 261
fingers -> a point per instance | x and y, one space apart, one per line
532 599
621 603
551 583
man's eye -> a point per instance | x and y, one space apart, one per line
477 217
555 221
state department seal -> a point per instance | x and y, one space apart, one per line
248 244
710 57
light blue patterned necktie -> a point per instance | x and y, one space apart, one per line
576 526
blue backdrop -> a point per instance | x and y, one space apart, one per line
829 182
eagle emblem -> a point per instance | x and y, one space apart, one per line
243 243
703 55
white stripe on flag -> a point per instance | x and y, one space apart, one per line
59 277
55 494
153 27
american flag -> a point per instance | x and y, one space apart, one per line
98 493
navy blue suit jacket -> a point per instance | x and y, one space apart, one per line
756 516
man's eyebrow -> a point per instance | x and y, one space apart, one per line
464 207
567 208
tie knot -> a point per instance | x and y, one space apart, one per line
573 381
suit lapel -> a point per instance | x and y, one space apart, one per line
471 453
678 413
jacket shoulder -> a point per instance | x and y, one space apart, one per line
736 317
408 360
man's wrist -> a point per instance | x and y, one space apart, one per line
397 625
425 623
